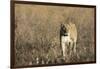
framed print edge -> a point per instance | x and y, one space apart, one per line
12 29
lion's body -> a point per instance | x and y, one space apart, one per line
70 39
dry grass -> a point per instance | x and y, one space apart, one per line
37 34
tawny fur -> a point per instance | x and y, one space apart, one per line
70 39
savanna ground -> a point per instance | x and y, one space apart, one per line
37 34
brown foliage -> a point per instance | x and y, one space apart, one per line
37 33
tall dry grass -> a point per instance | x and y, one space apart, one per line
37 34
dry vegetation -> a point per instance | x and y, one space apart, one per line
37 34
